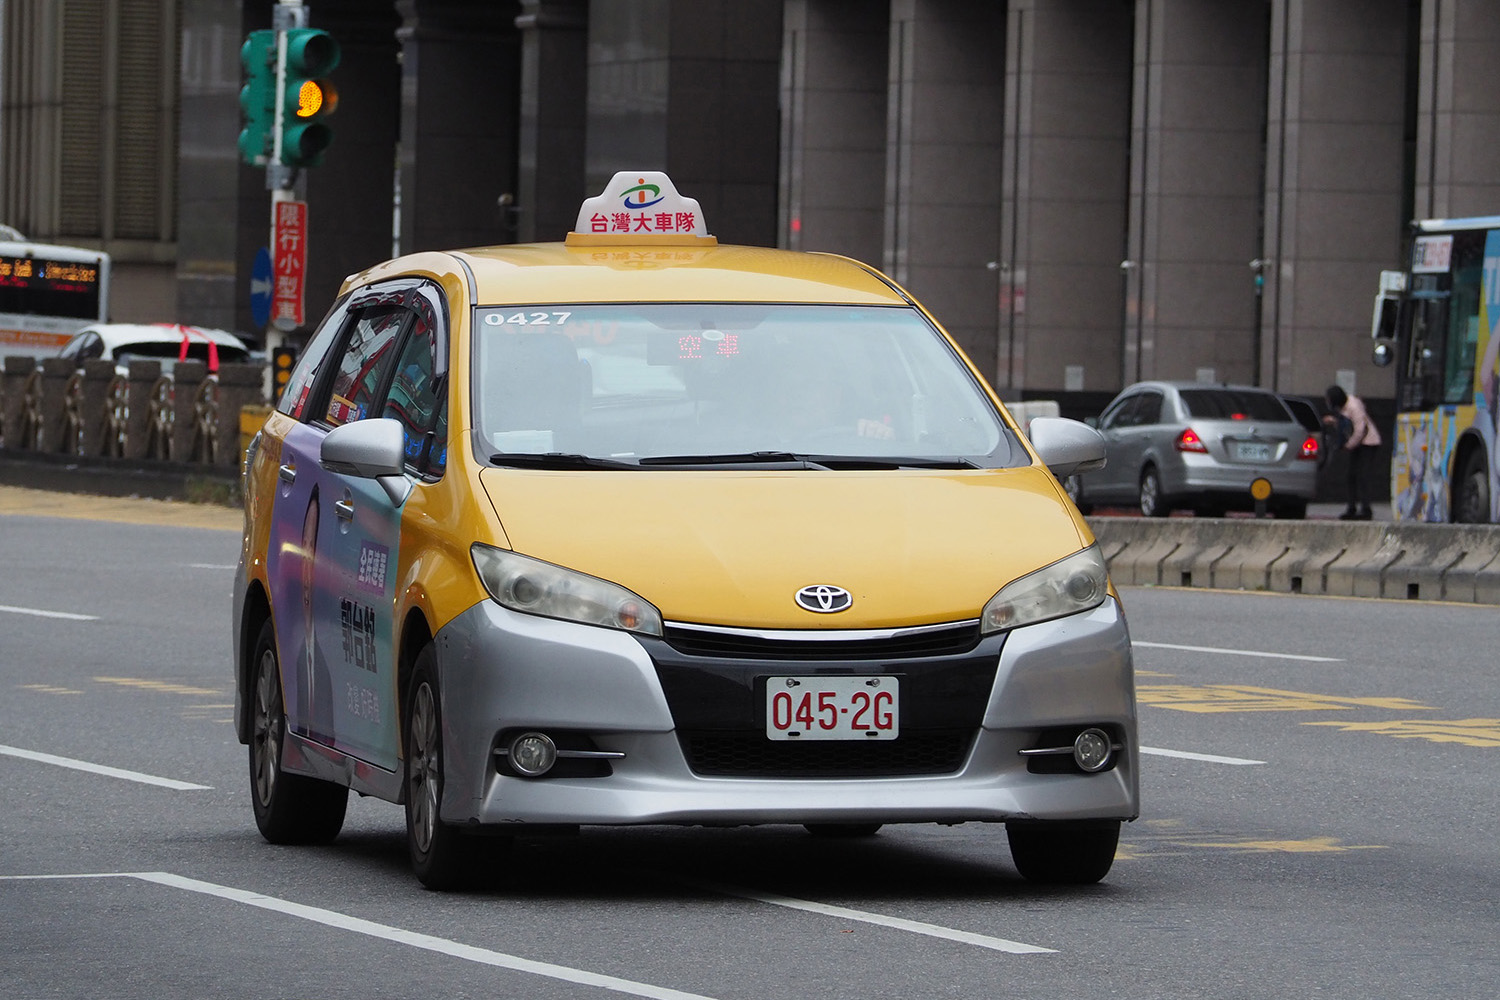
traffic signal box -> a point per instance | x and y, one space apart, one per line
283 360
258 97
305 97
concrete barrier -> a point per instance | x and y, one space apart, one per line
1434 562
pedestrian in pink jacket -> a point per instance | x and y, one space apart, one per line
1356 435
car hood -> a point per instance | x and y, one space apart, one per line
733 548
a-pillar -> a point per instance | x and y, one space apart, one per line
944 140
1198 125
834 55
1334 188
460 109
554 111
1458 111
1066 171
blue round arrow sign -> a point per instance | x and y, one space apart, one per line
260 287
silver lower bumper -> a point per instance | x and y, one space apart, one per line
500 670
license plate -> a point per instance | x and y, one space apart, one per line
833 708
1253 451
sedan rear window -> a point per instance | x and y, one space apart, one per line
1234 404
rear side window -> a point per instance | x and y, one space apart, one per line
1234 404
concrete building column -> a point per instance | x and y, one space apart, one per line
1334 188
459 115
690 87
1063 211
554 111
833 140
944 141
1457 169
1198 126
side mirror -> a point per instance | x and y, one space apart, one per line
1068 447
370 449
1383 352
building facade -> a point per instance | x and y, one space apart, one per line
1086 192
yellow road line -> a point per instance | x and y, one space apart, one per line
21 501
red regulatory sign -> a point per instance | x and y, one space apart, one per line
288 263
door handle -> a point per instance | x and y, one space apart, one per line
287 474
344 509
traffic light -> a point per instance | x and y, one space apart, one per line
307 98
283 360
258 97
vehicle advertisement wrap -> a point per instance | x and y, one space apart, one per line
1486 376
332 584
1423 454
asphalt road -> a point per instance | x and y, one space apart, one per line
1320 800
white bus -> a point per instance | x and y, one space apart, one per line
48 293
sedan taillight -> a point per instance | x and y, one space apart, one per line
1309 448
1189 440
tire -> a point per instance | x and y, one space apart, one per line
842 830
289 808
1063 853
442 856
1153 504
1471 494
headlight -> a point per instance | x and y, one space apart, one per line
1066 587
534 587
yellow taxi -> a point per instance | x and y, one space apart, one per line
641 529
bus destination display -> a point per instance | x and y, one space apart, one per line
38 285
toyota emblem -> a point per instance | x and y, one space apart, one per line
824 599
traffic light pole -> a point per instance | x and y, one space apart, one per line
280 178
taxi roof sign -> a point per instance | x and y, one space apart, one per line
640 206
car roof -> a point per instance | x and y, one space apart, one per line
115 334
1191 384
547 273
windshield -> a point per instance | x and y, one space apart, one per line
721 382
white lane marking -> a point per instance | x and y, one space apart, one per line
38 613
899 923
108 772
1237 652
1210 758
443 946
210 566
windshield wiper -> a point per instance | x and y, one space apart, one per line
802 461
779 459
556 460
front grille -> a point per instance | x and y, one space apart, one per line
752 755
745 644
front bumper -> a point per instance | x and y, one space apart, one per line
504 672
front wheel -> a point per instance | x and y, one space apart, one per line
1471 500
289 808
1153 504
441 856
1063 853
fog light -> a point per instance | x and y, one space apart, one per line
1092 750
533 754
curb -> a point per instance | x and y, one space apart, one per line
120 477
1435 562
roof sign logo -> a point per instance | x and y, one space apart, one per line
641 206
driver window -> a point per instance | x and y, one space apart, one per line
366 360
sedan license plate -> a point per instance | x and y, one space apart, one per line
833 708
1253 451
